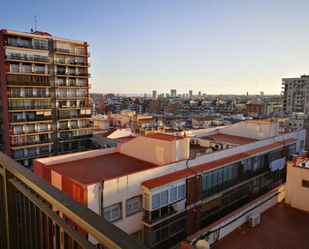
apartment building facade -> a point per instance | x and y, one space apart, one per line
165 195
296 94
45 95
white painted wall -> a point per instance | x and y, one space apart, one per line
251 129
297 196
121 133
156 151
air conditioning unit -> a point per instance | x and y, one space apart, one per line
217 146
254 220
194 141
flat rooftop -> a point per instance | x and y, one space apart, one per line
281 227
223 138
93 170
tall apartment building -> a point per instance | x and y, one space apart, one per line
173 93
154 94
45 95
296 94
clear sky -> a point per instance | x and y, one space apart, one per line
213 46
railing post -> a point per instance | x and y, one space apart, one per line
10 211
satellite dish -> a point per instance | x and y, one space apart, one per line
209 150
202 244
198 154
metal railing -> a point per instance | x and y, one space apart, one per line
29 107
26 58
21 83
29 220
18 45
41 153
73 63
68 51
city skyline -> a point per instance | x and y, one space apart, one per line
212 47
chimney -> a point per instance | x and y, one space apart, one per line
185 135
304 154
295 159
173 137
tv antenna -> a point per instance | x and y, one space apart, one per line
36 23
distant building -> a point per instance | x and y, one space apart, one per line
190 93
262 93
154 94
45 95
173 93
199 93
294 94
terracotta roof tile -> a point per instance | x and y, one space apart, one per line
231 139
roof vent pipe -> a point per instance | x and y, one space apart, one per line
304 154
295 159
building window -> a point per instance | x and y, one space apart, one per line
305 184
133 205
228 173
113 212
165 197
301 145
206 181
217 177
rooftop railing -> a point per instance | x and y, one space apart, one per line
29 220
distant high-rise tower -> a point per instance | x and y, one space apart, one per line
199 93
45 95
173 93
294 94
190 93
154 94
262 93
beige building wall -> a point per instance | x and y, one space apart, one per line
297 195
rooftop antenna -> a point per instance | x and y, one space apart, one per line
36 23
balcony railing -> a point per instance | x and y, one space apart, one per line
26 46
22 120
29 107
68 51
73 106
28 71
30 132
76 116
32 143
41 153
61 72
29 95
20 83
73 63
67 138
71 85
23 197
151 216
27 58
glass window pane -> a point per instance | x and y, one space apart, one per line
215 178
173 194
219 176
209 181
181 191
230 175
225 174
204 178
164 198
155 203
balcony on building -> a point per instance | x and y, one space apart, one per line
70 52
26 43
72 63
29 108
41 153
27 58
71 85
33 143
